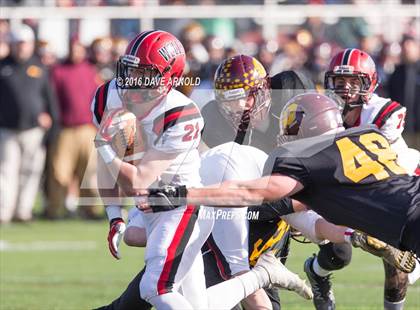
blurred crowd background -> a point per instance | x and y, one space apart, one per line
45 91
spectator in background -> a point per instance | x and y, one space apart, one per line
317 28
292 57
216 52
318 60
46 53
192 38
4 39
266 53
27 111
349 31
404 87
101 56
118 48
75 84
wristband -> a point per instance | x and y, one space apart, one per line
113 212
107 153
347 235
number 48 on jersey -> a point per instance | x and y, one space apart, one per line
369 154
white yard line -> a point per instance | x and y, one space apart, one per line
6 246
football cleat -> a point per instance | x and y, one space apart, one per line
402 260
321 287
282 277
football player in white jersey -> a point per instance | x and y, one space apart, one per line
172 123
352 75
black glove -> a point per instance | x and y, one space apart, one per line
167 197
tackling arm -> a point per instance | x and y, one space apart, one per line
244 193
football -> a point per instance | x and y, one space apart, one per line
127 142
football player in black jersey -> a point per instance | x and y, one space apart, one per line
350 177
352 75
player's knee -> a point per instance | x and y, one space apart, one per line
334 256
396 283
135 236
148 286
151 285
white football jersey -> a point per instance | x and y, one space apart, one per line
173 126
386 114
389 117
231 161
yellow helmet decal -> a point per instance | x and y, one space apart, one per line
289 115
259 68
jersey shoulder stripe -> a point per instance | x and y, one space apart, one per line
386 112
173 116
101 98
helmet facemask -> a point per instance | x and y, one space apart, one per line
138 83
262 103
364 90
235 106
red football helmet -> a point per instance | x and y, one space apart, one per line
153 62
308 115
241 78
352 62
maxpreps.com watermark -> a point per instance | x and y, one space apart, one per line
228 215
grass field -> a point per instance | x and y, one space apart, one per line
66 265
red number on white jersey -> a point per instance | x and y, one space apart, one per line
402 120
192 132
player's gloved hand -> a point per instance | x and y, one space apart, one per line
108 127
116 232
167 197
402 260
280 276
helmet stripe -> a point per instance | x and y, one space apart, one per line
346 57
136 44
352 52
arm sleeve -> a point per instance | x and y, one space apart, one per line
305 223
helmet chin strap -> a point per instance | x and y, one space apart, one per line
352 105
244 124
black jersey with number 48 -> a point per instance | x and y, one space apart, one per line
351 179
